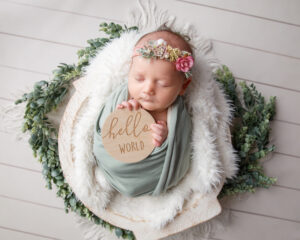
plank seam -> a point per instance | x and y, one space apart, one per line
240 13
286 154
212 39
268 84
22 168
31 202
63 11
23 69
263 215
256 49
6 99
286 187
29 233
40 39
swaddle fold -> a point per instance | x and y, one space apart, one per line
163 168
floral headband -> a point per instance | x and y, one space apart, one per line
159 49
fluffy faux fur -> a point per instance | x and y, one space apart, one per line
213 156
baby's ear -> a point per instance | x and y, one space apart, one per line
185 85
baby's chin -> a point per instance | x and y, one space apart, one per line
148 107
151 108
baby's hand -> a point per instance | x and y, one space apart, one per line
131 104
160 132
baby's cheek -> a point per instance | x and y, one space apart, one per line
131 92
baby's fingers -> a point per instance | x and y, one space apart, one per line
136 105
156 127
157 137
157 140
124 104
120 106
132 103
160 129
156 143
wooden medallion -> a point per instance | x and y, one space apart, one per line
127 136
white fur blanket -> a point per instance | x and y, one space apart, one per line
213 157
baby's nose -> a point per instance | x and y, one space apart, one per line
149 89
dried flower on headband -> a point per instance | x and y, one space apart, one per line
159 49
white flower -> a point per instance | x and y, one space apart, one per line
160 41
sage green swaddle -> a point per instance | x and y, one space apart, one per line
163 168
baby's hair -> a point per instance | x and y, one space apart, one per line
163 28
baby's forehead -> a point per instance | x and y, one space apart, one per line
155 67
140 63
171 38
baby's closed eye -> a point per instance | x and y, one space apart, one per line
139 79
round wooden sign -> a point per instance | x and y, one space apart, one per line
126 135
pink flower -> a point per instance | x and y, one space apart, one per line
184 64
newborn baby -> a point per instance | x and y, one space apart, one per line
160 72
154 84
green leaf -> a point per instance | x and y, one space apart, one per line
59 183
55 173
119 232
18 101
73 202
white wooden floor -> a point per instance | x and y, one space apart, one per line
259 40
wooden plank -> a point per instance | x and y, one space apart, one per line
13 234
285 168
260 66
27 217
22 158
98 9
285 136
251 226
230 27
37 55
21 20
17 81
285 11
274 202
27 186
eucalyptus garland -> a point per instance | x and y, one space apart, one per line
250 134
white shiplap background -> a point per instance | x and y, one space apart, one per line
260 42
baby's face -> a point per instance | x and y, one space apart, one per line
155 84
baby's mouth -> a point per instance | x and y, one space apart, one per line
146 99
